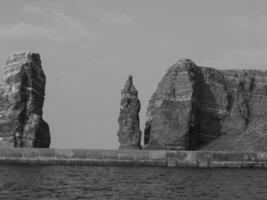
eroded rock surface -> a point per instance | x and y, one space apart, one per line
203 108
129 131
22 91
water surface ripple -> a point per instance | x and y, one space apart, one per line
86 182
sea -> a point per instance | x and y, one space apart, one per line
95 182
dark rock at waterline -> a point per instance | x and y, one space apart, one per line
203 108
129 131
22 91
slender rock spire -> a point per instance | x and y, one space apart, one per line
129 131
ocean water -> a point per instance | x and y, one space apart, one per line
86 182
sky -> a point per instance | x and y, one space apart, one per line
89 47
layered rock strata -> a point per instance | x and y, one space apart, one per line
129 131
22 91
203 108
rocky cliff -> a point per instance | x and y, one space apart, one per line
22 91
203 108
129 131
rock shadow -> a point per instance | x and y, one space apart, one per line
207 110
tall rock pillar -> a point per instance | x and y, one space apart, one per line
129 131
22 91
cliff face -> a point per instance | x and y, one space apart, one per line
22 90
203 108
169 114
129 132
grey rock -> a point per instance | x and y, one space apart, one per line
22 91
204 108
129 131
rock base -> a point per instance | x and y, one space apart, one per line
133 158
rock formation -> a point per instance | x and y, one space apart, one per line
22 91
203 108
129 132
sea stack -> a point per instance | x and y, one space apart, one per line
22 91
129 131
201 108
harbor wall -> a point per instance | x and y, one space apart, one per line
135 158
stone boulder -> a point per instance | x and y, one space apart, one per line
22 91
203 108
129 131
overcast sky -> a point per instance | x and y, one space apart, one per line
88 48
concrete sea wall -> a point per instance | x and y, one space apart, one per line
149 158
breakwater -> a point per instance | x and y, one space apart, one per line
149 158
